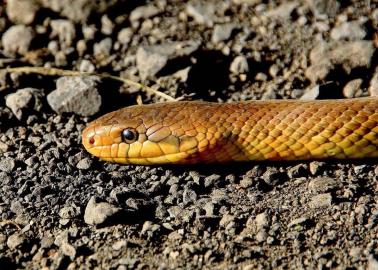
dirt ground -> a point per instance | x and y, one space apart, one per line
61 208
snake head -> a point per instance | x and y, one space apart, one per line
140 135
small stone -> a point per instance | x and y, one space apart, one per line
68 250
152 59
86 66
222 32
21 11
311 94
64 30
202 13
76 94
261 236
120 244
353 88
69 212
262 220
84 164
283 11
103 48
326 8
239 65
125 35
107 25
321 201
17 40
373 87
189 196
15 241
7 165
322 184
24 100
372 263
226 219
47 242
298 222
99 213
348 31
143 12
150 229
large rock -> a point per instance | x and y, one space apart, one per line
24 100
76 94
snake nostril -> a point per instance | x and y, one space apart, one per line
91 140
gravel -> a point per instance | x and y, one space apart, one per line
60 208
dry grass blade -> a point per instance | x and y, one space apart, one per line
63 72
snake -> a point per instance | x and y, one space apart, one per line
189 132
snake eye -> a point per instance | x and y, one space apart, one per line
129 135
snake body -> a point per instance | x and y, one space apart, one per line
202 132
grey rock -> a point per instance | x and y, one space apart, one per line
15 241
103 48
21 11
69 212
150 229
202 13
68 250
78 10
107 25
283 11
125 35
239 65
373 87
64 30
7 165
143 12
261 236
47 242
189 196
86 66
84 164
76 94
298 222
322 184
17 40
323 8
98 213
372 263
120 244
24 100
262 220
321 201
349 55
353 88
222 32
349 31
61 238
311 94
151 59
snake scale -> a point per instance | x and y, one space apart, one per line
202 132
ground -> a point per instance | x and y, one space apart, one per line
62 208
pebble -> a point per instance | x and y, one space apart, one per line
24 100
7 165
84 164
103 48
15 241
298 221
151 59
99 213
321 201
143 12
76 94
262 220
68 250
64 30
325 8
222 32
261 236
69 212
202 13
21 11
120 244
325 56
322 184
107 25
17 40
353 88
125 35
373 87
348 31
239 65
